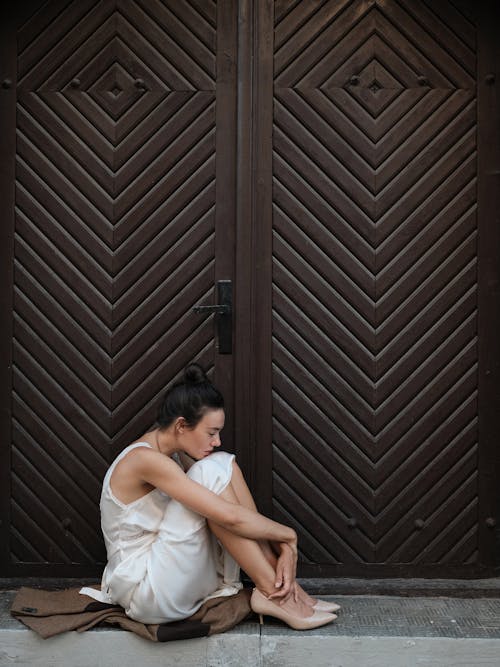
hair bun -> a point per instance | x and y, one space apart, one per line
194 374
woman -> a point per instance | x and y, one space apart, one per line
177 532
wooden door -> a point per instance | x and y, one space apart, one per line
338 161
381 146
120 125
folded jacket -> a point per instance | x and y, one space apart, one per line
51 612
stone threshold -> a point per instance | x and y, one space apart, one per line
370 630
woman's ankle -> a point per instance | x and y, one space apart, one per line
266 588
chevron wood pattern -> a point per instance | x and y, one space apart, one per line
375 281
115 209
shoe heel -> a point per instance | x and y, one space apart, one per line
261 619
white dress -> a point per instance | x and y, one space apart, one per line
163 561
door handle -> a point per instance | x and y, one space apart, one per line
221 308
223 312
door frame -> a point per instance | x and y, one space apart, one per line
253 287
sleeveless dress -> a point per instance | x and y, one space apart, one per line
163 560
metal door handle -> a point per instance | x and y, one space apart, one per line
223 314
221 308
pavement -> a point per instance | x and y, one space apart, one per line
371 631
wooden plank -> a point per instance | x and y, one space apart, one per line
489 279
8 24
243 304
262 272
225 197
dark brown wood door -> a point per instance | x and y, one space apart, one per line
338 161
124 131
380 263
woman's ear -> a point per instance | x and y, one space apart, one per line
180 425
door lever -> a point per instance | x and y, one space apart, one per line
223 312
221 308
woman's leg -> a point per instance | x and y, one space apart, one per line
245 498
242 491
246 552
251 558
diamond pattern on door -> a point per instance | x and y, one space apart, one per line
375 282
115 202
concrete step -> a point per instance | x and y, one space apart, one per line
371 631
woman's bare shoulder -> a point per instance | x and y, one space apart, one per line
130 478
147 455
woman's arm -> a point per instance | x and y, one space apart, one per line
163 473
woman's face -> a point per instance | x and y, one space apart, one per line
201 440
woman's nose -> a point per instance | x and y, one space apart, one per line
216 442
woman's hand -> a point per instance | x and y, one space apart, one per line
286 570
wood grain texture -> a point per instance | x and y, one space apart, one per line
114 244
375 311
340 164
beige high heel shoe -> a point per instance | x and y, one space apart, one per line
323 605
262 605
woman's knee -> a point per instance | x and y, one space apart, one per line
214 471
237 481
241 489
237 472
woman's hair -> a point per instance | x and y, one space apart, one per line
190 398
